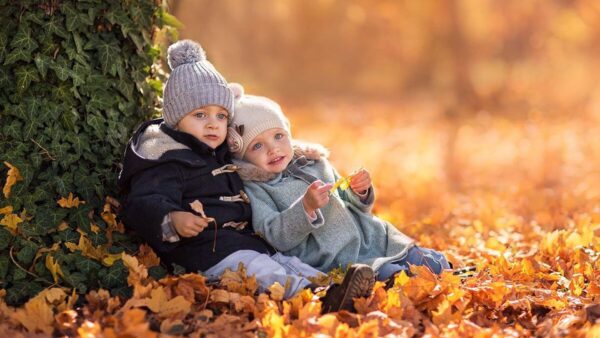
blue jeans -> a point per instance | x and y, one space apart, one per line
267 269
434 260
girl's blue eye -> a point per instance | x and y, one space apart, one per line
200 115
256 146
222 116
278 136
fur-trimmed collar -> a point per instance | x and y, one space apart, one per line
154 142
250 172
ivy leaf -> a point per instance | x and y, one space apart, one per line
27 253
25 75
4 264
55 26
23 39
13 130
22 290
87 266
4 77
61 68
113 276
5 239
75 19
42 62
77 280
108 54
17 55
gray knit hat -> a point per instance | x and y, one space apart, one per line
194 82
253 115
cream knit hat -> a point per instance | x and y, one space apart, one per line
253 115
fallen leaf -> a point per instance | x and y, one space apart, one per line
10 222
54 268
13 176
69 202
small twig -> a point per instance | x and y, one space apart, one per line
10 253
45 151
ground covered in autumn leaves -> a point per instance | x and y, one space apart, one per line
518 198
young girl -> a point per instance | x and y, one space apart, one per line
293 208
174 168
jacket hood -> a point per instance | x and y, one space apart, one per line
251 172
154 143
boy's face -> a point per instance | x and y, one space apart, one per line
271 150
208 124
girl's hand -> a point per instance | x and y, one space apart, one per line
360 182
316 196
187 224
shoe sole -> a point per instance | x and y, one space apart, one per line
361 284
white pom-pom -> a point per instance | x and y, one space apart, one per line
237 89
184 51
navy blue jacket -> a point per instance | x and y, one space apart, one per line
165 170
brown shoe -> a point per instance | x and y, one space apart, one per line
358 282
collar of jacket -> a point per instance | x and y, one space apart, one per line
221 153
304 154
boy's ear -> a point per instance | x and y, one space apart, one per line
237 89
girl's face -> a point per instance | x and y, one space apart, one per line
208 124
271 150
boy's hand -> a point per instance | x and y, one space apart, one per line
360 182
316 196
187 224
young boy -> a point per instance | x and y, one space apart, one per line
170 165
292 205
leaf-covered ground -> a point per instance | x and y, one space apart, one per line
517 198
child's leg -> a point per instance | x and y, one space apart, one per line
432 259
294 266
266 270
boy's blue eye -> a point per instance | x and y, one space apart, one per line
200 115
256 146
278 136
222 116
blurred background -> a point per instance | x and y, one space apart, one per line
452 105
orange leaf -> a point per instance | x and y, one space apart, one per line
12 178
36 315
6 210
10 222
69 202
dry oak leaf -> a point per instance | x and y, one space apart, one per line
36 315
147 256
161 305
133 323
12 178
69 202
137 272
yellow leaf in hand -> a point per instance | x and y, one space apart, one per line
12 178
70 202
198 207
342 183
